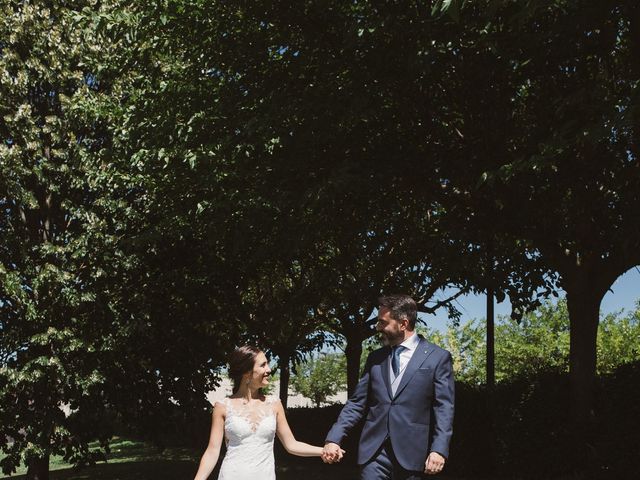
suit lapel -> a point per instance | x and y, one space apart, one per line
423 350
385 371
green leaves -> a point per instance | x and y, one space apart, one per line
63 211
449 7
178 176
320 377
538 343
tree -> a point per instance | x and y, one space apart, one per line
616 334
252 121
357 267
281 317
280 124
185 291
320 377
539 342
210 122
565 178
81 238
63 211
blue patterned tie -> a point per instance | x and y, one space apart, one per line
395 359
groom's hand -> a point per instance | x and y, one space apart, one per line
332 453
434 463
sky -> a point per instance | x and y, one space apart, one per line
622 296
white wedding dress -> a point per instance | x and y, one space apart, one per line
249 435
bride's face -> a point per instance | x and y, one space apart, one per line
261 371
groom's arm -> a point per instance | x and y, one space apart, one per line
353 411
443 400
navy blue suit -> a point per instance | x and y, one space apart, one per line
417 420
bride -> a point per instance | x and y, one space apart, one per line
248 421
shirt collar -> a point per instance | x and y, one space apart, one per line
412 342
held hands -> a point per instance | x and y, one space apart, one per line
434 463
332 453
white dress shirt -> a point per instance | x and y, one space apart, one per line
410 345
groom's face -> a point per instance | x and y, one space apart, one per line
391 331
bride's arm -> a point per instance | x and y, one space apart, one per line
287 439
211 454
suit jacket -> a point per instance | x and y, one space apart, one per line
418 419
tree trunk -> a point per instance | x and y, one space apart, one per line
353 351
634 30
491 356
584 314
284 362
38 469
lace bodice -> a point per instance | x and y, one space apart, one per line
249 431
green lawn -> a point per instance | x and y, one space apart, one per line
131 460
127 460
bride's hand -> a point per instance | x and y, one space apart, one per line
332 453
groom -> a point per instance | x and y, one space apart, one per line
406 397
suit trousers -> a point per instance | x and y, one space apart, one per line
384 466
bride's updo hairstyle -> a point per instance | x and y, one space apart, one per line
242 361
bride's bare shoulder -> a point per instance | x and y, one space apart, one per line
271 399
221 404
275 404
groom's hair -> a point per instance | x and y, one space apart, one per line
401 307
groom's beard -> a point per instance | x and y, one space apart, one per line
387 340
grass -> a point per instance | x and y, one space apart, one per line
128 460
133 460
